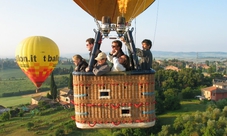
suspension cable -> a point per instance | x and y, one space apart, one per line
156 22
135 32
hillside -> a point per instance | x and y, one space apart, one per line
177 55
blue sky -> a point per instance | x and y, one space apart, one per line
182 25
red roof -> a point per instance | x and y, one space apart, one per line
212 88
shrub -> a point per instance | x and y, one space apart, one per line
5 116
59 132
29 125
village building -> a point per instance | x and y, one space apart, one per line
216 92
172 68
3 109
35 100
66 97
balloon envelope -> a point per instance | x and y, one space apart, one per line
114 8
37 57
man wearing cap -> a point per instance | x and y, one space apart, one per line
101 67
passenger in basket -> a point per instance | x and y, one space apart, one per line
101 67
89 45
116 49
145 55
119 64
80 63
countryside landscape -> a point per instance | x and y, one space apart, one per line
180 80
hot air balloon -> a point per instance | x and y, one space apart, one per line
114 100
37 57
129 9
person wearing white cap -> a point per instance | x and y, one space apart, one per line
101 67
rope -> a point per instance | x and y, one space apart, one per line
90 105
82 104
114 123
146 83
91 125
115 107
101 84
139 121
72 102
156 22
99 104
73 117
148 112
135 32
82 84
128 83
81 113
106 104
138 105
148 93
80 95
125 83
117 123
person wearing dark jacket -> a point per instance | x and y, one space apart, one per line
145 55
116 49
90 45
80 63
101 67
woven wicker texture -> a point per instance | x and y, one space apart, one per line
114 98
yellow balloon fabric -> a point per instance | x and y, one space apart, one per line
114 8
37 56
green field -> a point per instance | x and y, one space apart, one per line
43 125
18 73
13 101
187 107
12 73
14 80
48 124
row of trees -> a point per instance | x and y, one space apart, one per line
68 81
212 122
172 86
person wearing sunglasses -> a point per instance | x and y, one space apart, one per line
89 46
80 63
116 49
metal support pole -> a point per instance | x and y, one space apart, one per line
133 49
96 47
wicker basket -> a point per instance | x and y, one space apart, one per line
115 100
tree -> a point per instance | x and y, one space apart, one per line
165 130
71 69
53 87
171 102
70 83
5 116
187 93
59 132
159 98
30 125
207 62
49 96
